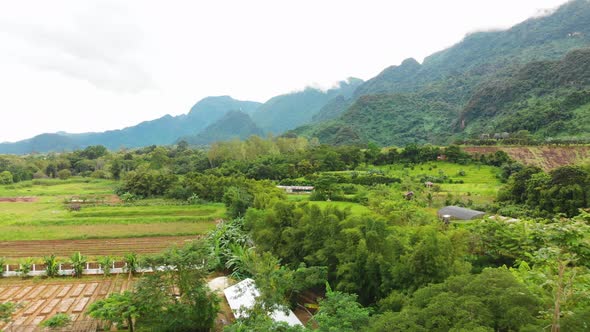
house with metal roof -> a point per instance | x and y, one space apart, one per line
459 213
242 296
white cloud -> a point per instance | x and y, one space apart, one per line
94 65
97 44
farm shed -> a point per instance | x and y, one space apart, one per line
296 189
243 295
456 212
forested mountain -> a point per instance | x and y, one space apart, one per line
529 77
551 98
205 123
289 111
165 130
234 124
419 103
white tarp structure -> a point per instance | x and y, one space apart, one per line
243 295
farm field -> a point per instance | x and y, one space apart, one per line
480 182
355 208
41 299
13 250
39 210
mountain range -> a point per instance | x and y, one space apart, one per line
533 77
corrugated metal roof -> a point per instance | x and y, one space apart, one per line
458 212
242 296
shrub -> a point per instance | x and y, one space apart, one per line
25 267
2 265
194 200
6 177
64 174
128 197
57 321
74 207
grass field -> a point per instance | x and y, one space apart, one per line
355 208
480 182
47 217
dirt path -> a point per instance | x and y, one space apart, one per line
91 247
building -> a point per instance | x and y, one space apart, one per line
242 296
458 213
296 189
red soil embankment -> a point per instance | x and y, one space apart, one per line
18 199
546 157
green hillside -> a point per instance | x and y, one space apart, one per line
547 98
483 80
234 124
289 111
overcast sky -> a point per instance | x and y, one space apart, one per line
80 66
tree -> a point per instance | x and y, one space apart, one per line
237 200
93 152
340 312
64 174
6 177
118 308
176 297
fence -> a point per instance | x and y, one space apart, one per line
65 269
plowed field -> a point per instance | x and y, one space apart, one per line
91 247
40 300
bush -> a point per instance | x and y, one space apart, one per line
74 207
128 197
6 177
2 265
57 321
64 174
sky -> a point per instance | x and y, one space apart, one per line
82 66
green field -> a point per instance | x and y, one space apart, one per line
355 208
48 218
480 182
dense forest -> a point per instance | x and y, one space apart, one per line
382 262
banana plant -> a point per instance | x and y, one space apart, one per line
78 264
106 263
51 266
